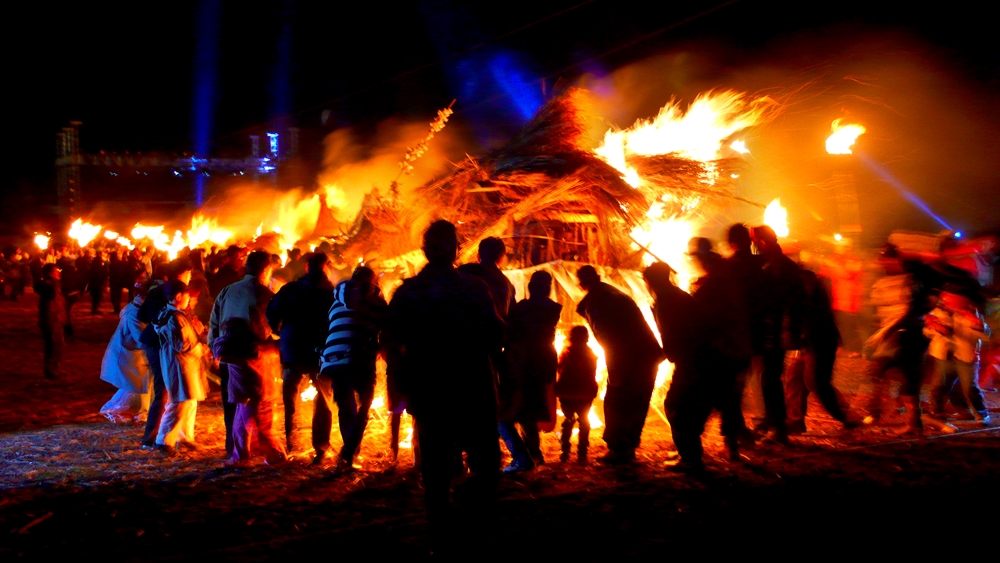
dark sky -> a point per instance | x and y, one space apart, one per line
130 71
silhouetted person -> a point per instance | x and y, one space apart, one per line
745 270
682 330
531 369
632 355
812 370
298 312
723 312
51 319
447 327
782 297
491 252
96 278
347 374
576 390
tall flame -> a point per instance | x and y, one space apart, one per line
843 137
83 233
776 217
697 134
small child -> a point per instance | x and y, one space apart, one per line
576 390
956 330
181 355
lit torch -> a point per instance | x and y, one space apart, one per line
42 242
843 137
83 233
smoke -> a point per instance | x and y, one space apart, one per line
932 124
351 169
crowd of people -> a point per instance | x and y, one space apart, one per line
474 366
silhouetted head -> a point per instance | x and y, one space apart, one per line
540 284
658 276
579 335
491 250
316 262
440 243
766 240
738 237
588 277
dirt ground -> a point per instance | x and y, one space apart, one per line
73 483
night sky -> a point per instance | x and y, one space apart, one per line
199 76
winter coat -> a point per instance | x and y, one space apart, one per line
577 374
299 313
783 301
125 365
246 299
182 357
619 326
447 328
51 304
531 359
501 289
354 322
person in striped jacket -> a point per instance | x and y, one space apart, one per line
347 364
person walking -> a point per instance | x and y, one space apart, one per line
298 314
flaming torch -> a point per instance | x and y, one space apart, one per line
843 137
42 242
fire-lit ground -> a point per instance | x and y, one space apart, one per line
74 483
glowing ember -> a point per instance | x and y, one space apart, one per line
83 233
843 137
309 393
42 242
776 217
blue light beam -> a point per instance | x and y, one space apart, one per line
206 62
888 178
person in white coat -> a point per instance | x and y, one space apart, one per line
182 357
125 366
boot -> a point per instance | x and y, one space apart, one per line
914 423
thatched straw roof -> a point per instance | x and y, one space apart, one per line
542 173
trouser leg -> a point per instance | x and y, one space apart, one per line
54 342
188 411
171 425
968 378
263 415
228 408
583 439
532 441
242 434
291 377
115 295
158 402
626 405
774 392
515 444
569 418
796 392
823 359
323 415
729 399
365 391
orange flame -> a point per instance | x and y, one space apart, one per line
843 137
83 233
42 242
776 217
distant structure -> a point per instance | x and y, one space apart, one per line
165 182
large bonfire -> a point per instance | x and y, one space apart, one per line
556 198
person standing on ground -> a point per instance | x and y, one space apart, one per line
782 297
447 327
155 302
576 390
51 319
298 313
347 374
184 375
241 338
633 356
531 362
